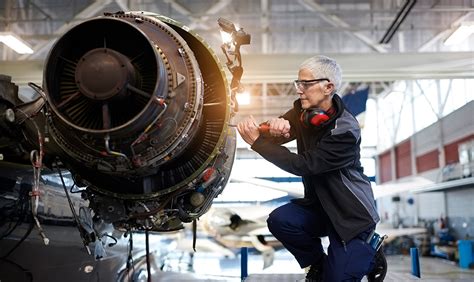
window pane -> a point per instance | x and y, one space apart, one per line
424 114
405 127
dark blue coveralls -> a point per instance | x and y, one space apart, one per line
299 228
338 201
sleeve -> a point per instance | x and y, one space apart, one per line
333 152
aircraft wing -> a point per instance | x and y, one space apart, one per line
294 189
203 245
393 233
416 184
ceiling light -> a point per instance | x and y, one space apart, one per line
15 43
460 34
243 98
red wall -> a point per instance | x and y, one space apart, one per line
385 167
403 159
451 154
427 161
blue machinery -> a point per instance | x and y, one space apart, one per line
244 259
415 262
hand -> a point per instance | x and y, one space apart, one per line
279 127
248 129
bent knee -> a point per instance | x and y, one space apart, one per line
276 222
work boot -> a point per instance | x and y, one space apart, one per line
315 273
380 268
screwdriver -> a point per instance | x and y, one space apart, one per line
263 127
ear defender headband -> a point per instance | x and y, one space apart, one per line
313 117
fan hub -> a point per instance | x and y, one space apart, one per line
103 73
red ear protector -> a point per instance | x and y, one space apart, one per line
313 117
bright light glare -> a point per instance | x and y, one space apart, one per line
226 37
243 98
15 43
460 34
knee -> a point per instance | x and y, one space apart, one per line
270 220
271 223
275 222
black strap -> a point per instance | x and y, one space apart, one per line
194 234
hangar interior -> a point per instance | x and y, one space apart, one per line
417 120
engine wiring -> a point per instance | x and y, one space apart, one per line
71 206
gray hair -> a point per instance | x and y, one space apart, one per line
324 67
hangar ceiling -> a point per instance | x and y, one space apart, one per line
375 41
277 26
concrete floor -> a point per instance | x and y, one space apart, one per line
432 269
399 269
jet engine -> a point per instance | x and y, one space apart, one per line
137 107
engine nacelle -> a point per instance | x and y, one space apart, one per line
138 109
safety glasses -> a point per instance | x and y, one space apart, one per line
303 85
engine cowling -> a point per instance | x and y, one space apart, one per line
139 106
